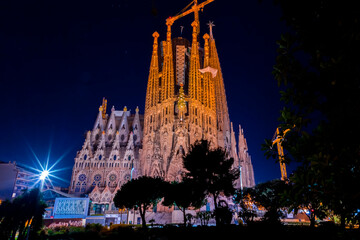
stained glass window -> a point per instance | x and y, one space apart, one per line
97 177
112 177
82 177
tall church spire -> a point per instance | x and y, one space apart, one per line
152 94
194 78
220 98
167 79
209 91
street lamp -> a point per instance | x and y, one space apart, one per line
43 175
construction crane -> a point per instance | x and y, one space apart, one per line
194 9
278 139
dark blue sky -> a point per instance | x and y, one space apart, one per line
59 58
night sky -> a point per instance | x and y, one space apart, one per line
58 59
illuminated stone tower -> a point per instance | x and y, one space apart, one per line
185 102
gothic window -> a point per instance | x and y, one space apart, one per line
109 137
85 157
112 178
114 157
83 187
82 177
181 149
123 126
122 137
97 177
97 137
110 126
113 207
135 126
77 188
100 157
135 137
129 157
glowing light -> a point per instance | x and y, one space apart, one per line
44 174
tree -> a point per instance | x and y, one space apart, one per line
303 193
211 170
317 68
204 217
269 195
16 215
183 195
141 194
243 198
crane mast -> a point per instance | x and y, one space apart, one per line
278 141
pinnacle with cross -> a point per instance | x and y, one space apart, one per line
211 24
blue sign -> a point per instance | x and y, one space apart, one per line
71 207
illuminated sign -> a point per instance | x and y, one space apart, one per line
71 207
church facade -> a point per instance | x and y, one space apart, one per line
185 102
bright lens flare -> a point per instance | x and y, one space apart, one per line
44 174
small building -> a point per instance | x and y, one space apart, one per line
15 179
8 174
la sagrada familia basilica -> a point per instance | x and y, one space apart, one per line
185 102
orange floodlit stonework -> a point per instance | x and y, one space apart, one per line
185 102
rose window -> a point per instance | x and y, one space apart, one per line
112 177
82 177
97 177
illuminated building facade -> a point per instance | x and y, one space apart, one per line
109 157
185 102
